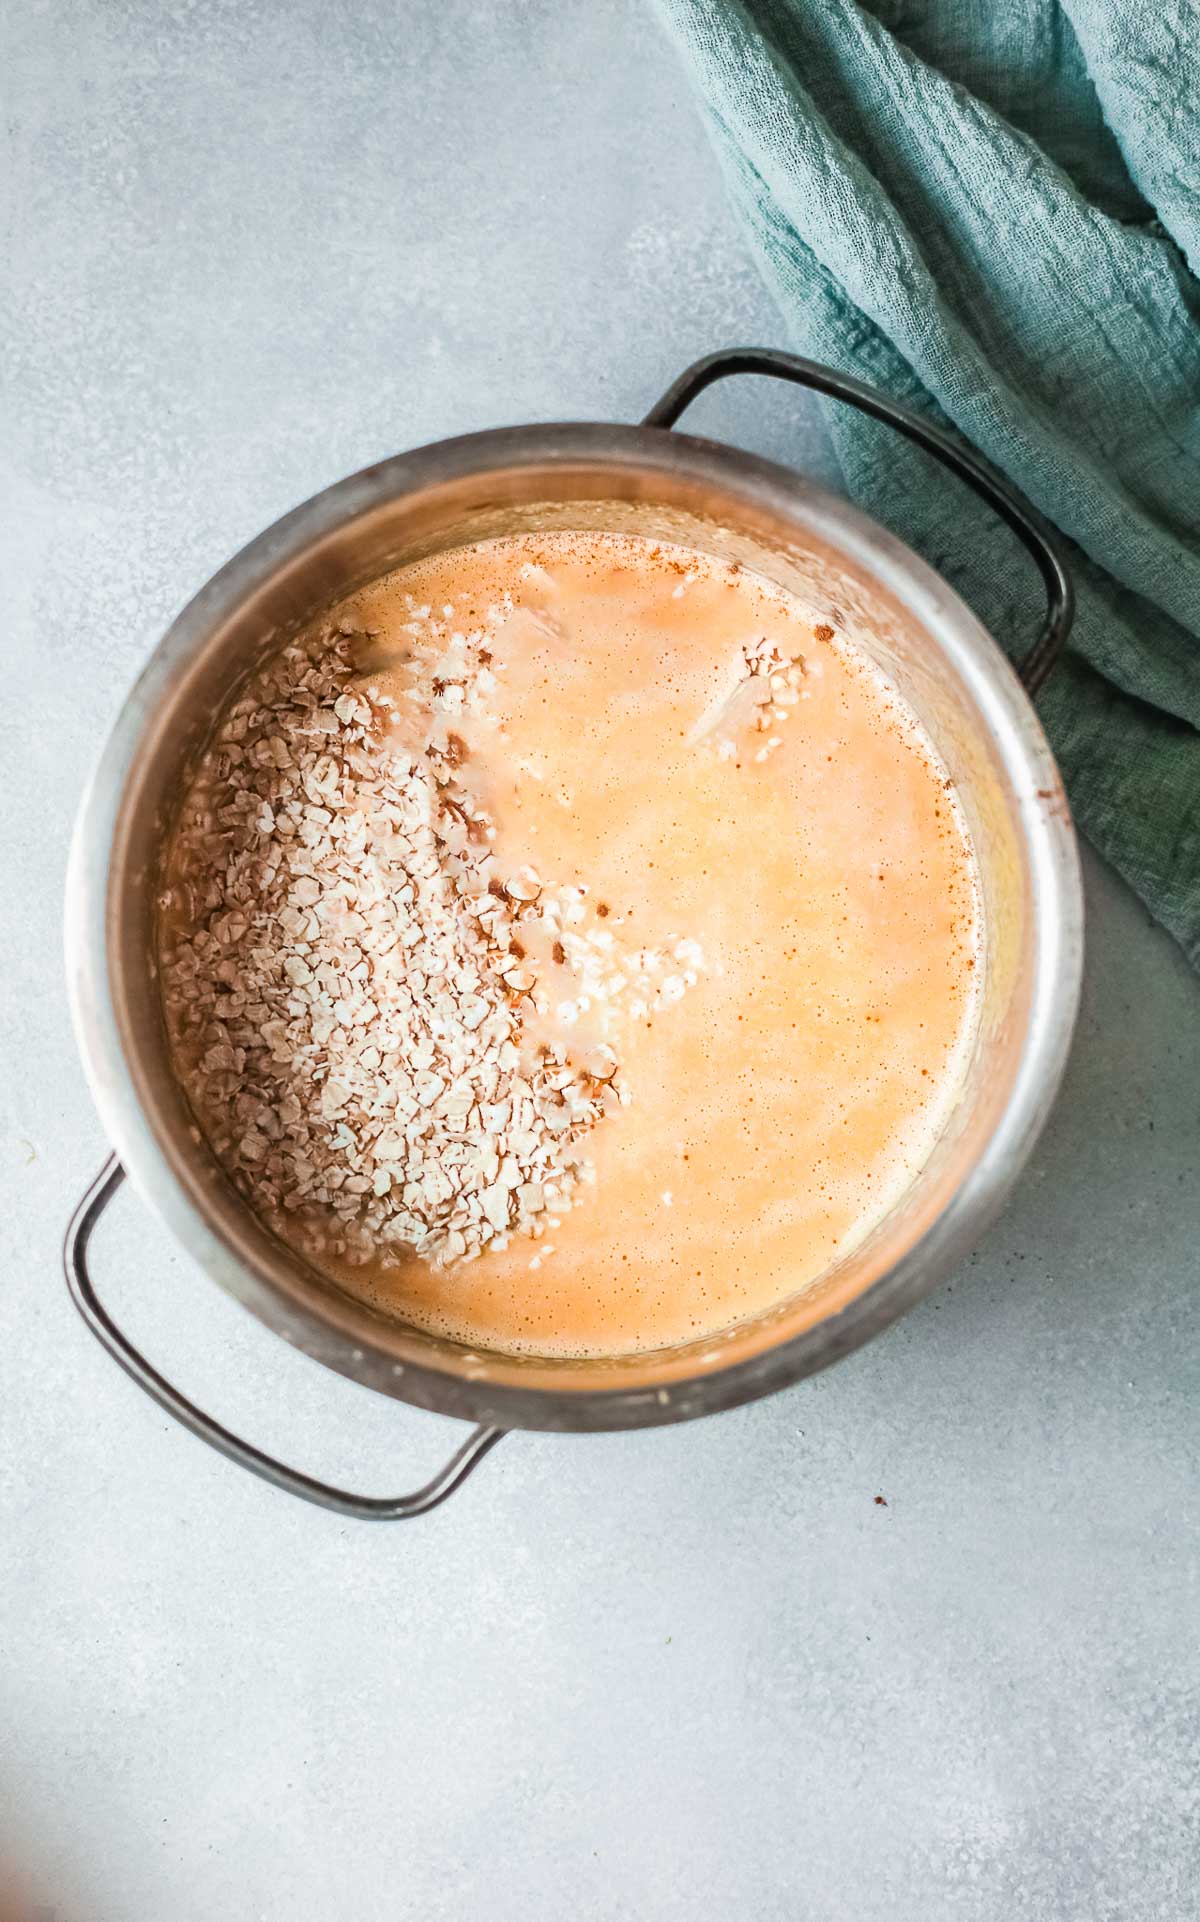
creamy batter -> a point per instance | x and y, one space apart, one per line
782 889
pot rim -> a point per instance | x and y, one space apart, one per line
344 1340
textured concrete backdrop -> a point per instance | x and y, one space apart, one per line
249 246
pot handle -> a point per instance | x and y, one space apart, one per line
970 467
360 1507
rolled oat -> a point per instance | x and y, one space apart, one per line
343 979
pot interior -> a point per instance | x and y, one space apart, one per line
669 487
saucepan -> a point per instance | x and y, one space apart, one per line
648 480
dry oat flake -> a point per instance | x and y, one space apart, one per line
344 979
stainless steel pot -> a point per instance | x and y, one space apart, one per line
632 479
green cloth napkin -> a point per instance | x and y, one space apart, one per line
989 207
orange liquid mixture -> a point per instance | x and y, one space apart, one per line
784 895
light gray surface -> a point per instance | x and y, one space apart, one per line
697 1672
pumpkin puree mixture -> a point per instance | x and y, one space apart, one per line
570 945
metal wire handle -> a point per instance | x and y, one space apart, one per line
970 467
367 1508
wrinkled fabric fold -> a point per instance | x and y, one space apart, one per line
990 212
